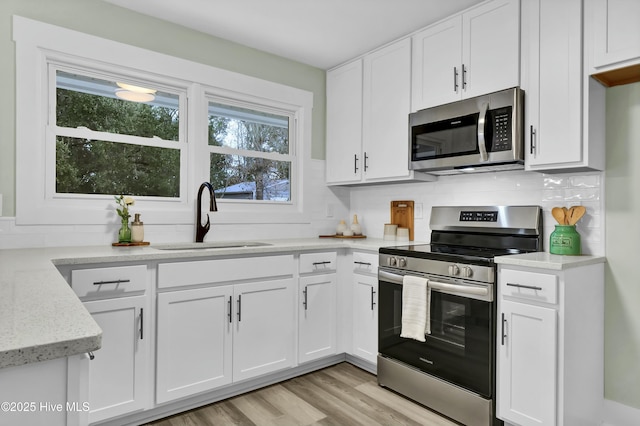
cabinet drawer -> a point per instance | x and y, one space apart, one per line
223 270
529 285
109 282
318 262
366 263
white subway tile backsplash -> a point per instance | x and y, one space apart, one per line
501 188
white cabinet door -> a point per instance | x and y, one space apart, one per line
437 65
365 317
616 32
527 362
194 341
264 331
117 379
386 106
468 55
344 124
491 48
317 317
552 80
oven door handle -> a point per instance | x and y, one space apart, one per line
459 289
435 285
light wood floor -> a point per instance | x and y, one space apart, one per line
339 395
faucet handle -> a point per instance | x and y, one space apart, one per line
207 225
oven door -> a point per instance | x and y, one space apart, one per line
459 348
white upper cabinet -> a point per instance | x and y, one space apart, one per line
467 55
344 123
616 33
564 109
368 102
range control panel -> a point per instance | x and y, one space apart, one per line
471 216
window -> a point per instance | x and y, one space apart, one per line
115 138
97 118
250 153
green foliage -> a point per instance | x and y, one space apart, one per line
100 167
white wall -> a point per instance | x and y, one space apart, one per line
372 204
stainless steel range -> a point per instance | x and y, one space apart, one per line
453 370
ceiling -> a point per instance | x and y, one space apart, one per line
321 33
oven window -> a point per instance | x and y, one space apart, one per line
448 323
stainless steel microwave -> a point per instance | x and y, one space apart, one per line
478 134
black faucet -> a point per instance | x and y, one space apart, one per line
201 231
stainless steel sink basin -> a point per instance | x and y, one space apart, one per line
210 246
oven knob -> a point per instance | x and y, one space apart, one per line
393 261
467 272
454 270
402 262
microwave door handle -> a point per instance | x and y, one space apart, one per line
482 143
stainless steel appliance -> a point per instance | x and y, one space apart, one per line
484 133
453 370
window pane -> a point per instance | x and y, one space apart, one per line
242 128
250 178
98 167
98 105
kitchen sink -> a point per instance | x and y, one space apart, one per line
210 246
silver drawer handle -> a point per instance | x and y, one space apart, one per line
363 263
321 263
111 282
530 287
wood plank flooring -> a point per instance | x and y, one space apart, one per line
339 395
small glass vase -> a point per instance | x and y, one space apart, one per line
565 240
124 234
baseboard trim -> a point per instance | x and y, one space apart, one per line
617 414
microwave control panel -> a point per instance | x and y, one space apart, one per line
501 126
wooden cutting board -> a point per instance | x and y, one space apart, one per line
402 215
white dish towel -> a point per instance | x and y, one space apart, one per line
416 303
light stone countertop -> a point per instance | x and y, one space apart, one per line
41 318
544 260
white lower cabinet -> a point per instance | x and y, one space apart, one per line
116 299
193 341
317 306
223 333
365 306
528 364
550 344
117 379
317 332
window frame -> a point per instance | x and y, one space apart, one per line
38 43
291 157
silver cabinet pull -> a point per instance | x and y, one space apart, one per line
372 302
530 287
362 263
239 307
455 79
503 328
532 136
111 282
464 77
141 316
355 163
305 301
230 308
322 263
366 157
